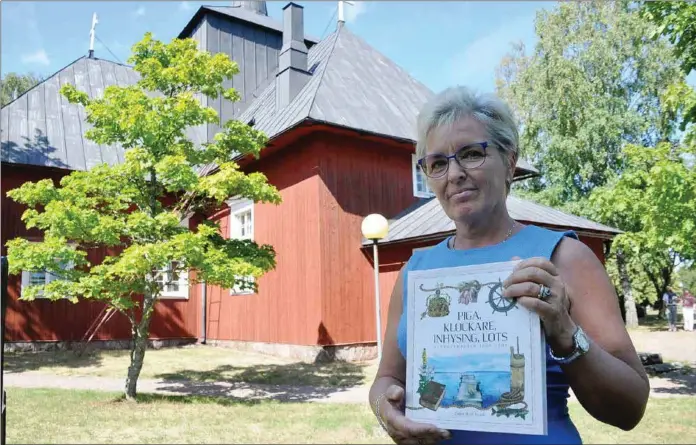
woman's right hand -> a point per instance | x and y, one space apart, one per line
402 430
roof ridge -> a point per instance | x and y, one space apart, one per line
325 64
43 81
61 70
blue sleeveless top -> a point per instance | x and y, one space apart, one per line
531 241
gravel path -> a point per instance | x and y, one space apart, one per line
671 385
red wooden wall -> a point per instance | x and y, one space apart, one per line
44 320
358 177
322 289
287 307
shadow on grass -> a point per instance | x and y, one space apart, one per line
683 379
16 362
295 382
333 374
247 393
148 398
652 323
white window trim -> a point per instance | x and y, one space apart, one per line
414 178
238 206
183 292
48 277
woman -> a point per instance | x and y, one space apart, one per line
467 146
688 310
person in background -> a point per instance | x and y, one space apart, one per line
688 310
467 147
670 300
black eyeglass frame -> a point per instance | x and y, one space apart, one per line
483 145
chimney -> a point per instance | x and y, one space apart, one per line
257 6
292 60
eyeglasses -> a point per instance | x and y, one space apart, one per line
468 157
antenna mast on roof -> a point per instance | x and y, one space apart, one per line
341 18
91 35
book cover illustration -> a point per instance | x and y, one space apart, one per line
475 358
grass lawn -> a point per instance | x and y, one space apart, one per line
59 416
197 363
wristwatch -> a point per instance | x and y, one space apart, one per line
581 345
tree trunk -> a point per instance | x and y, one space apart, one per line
141 333
629 302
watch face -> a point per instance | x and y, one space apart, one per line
582 341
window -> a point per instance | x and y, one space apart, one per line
173 281
241 227
420 184
39 278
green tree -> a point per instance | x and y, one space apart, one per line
592 83
676 21
134 209
656 197
14 85
687 277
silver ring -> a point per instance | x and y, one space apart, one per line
544 293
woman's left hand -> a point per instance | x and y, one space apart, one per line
537 286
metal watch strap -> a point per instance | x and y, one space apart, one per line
579 348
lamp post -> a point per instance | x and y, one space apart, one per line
375 227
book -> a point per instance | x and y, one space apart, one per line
476 360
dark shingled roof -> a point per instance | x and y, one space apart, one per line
426 219
42 128
353 86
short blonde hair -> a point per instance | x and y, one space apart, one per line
459 102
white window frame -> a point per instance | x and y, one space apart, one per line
48 277
183 282
416 172
237 207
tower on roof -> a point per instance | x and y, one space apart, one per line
257 6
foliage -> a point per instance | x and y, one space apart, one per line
655 197
134 209
425 373
592 84
676 21
642 289
14 85
687 277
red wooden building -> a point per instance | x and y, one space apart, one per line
341 119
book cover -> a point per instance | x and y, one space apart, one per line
476 360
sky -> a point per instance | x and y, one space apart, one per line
438 43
